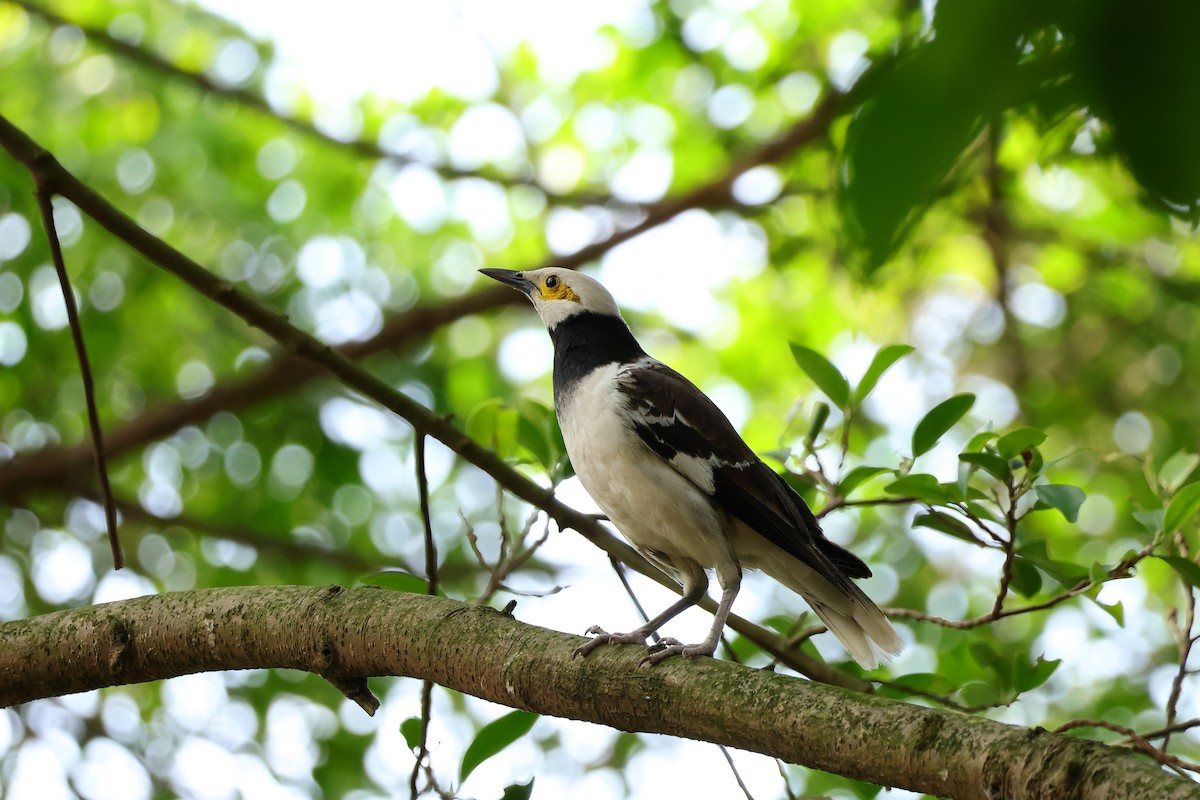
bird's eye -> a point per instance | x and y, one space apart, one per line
551 282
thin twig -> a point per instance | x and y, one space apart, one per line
975 622
733 768
1084 586
1184 641
1010 549
1138 742
508 560
43 194
787 787
1176 728
431 555
836 503
431 576
945 700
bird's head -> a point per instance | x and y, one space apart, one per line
558 293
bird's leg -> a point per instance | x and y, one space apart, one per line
694 587
729 590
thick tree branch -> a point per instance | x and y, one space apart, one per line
347 635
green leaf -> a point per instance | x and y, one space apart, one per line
494 737
823 373
1028 676
784 624
923 682
1066 573
881 363
990 463
920 486
410 729
494 425
1064 497
1151 520
518 791
534 440
938 521
1156 141
940 419
857 477
820 415
987 656
1183 506
978 441
537 432
1012 444
1189 570
978 693
1116 611
985 512
904 140
1026 579
1177 469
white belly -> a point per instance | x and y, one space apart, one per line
658 510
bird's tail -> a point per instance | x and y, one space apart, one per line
862 628
847 612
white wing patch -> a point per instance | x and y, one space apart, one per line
673 437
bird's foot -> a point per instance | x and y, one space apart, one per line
601 637
673 647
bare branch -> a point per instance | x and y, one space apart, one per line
431 555
1176 728
736 775
89 389
431 576
1010 548
1138 741
1182 630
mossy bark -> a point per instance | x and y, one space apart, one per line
347 635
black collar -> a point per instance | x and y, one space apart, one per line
588 340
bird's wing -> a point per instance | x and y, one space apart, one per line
684 427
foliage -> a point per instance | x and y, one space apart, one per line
987 184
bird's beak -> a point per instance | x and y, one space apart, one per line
508 277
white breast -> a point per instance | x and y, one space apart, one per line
651 503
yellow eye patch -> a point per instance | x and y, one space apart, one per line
560 291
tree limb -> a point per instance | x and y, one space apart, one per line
46 206
347 635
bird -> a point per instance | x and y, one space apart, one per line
671 472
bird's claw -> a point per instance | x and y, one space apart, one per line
602 637
664 643
673 647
